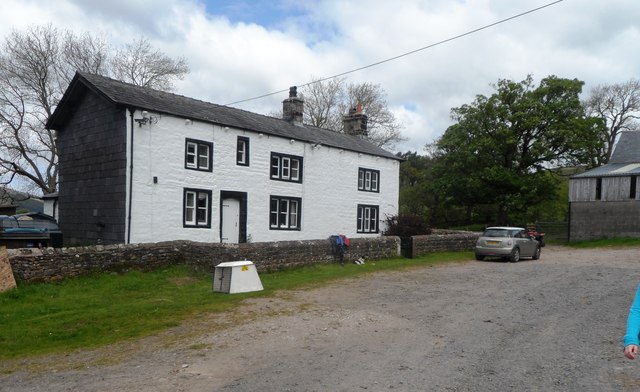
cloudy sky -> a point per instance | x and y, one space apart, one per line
242 49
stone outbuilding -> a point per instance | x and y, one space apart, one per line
605 202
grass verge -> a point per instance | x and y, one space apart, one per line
93 311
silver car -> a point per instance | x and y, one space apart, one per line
507 242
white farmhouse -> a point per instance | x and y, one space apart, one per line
139 165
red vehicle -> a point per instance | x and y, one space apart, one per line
533 232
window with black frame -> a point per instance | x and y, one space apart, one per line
285 213
286 167
198 155
368 180
367 218
197 208
242 151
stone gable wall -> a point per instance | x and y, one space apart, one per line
604 219
92 159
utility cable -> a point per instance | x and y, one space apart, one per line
405 54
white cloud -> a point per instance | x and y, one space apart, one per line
594 41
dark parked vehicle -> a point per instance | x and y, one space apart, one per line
507 242
32 230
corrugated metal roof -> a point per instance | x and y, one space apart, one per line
129 95
625 159
611 170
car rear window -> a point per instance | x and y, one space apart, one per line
518 234
495 233
8 222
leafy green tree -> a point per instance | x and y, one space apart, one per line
415 175
501 154
417 196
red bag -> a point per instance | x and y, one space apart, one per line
345 240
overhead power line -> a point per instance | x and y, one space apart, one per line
404 54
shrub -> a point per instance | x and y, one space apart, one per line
406 225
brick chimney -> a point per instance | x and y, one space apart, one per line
355 123
293 107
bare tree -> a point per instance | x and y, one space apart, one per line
618 105
85 52
326 102
141 64
30 87
384 129
36 67
323 103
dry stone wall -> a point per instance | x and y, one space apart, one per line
49 264
443 241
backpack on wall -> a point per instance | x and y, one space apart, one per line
345 240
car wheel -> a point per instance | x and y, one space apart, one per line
515 255
479 257
536 254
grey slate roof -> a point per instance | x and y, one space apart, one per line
627 148
143 98
625 159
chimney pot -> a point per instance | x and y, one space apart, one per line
355 123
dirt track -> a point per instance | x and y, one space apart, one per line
554 324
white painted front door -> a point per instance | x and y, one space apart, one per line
230 221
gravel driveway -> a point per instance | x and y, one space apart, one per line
554 324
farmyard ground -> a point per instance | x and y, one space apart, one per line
554 324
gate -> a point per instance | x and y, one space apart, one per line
554 231
406 247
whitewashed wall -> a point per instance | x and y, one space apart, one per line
50 207
329 190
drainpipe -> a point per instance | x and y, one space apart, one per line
131 111
569 225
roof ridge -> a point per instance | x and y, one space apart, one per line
146 98
84 74
110 79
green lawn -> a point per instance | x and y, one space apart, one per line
97 310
